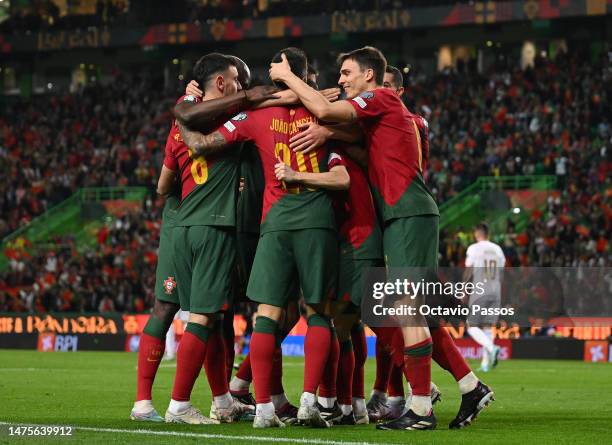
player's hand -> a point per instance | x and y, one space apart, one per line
241 185
285 173
193 90
310 137
261 93
331 94
280 70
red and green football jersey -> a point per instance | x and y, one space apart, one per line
208 184
285 206
398 150
359 231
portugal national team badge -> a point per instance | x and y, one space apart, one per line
240 117
169 285
367 95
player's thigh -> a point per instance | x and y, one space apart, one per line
214 256
180 253
350 277
412 241
411 252
273 278
165 277
316 258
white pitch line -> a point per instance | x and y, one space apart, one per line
207 435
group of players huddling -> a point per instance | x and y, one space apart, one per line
344 191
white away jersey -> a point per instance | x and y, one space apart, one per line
488 260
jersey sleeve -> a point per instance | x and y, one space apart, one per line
240 128
334 160
469 257
174 137
369 104
502 258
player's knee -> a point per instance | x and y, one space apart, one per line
269 311
207 320
164 311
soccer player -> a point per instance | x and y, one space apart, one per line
389 376
395 140
152 347
249 208
152 340
484 262
341 396
297 245
203 250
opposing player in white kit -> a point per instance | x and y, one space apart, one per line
484 263
170 353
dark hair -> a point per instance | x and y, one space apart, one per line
297 61
244 73
367 57
483 227
312 84
209 65
312 70
396 75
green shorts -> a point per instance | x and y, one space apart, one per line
204 259
350 277
166 288
288 260
412 242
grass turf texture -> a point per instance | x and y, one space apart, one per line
537 402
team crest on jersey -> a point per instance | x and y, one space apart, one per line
367 95
169 285
240 117
177 137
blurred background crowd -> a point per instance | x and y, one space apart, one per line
552 118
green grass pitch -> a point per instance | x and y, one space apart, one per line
537 402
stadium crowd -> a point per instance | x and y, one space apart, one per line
551 119
45 15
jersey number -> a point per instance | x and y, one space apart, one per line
199 169
490 269
284 153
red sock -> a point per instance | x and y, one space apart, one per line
417 367
189 360
317 345
150 353
215 363
276 385
360 348
397 348
447 355
328 382
244 372
263 345
396 382
228 337
346 367
383 365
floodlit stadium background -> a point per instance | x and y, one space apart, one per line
517 94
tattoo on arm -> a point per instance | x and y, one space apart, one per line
202 144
